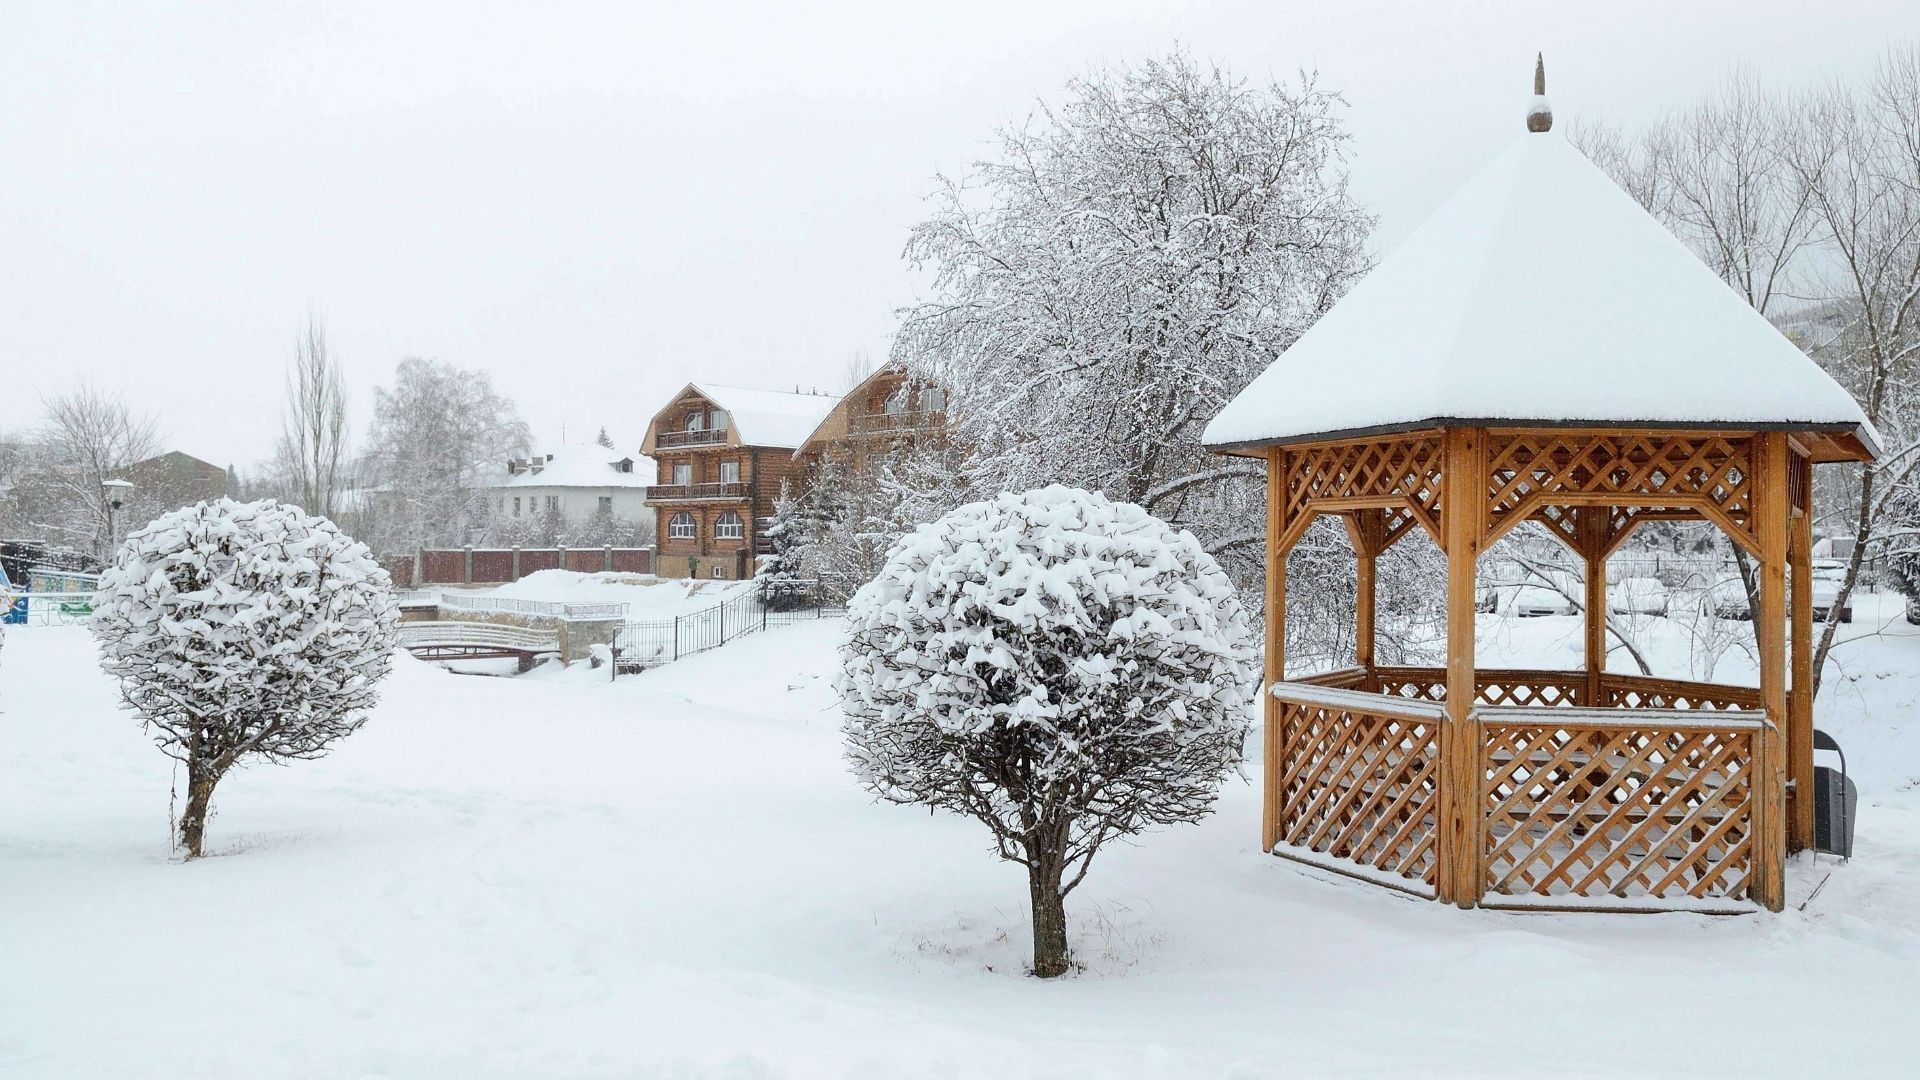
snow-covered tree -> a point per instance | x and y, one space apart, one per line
435 435
779 579
244 631
604 439
1124 264
1064 668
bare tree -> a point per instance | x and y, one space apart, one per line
1810 209
859 365
1856 152
313 424
88 436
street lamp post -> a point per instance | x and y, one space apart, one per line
115 492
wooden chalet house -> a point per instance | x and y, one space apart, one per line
883 415
723 453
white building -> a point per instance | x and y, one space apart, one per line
575 482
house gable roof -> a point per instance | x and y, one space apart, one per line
775 418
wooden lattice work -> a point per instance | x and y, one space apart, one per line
1492 686
1642 692
1400 476
1541 474
1358 786
1634 809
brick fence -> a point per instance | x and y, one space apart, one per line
497 566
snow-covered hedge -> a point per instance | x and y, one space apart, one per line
242 630
1062 667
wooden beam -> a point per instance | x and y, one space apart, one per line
1591 524
1276 670
1772 512
1369 534
1800 685
1463 518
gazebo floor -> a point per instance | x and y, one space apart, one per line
1613 792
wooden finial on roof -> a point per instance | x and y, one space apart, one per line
1539 116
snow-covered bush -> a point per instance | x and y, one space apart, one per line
244 630
1064 668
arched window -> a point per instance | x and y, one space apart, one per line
728 526
682 527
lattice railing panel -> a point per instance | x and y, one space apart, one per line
1537 689
1360 786
1639 692
1404 468
1615 811
1528 469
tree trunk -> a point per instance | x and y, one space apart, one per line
193 822
1049 920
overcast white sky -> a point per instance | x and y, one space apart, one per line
598 203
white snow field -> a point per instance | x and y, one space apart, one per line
674 876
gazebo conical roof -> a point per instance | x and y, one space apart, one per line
1541 294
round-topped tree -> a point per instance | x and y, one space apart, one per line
1541 349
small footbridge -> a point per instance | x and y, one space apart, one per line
478 641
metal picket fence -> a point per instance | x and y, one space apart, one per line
648 643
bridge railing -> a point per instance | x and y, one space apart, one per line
421 635
451 601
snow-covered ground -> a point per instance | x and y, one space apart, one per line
673 875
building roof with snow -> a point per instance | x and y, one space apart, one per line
775 418
1540 294
580 465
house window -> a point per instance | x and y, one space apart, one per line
728 526
720 572
895 404
682 527
729 472
553 504
718 420
516 506
606 506
693 421
683 474
934 399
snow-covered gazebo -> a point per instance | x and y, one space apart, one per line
1542 350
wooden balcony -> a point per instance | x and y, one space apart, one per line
673 440
694 492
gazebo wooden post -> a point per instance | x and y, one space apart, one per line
1276 671
1591 523
1463 508
1369 526
1800 688
1772 511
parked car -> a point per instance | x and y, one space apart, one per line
1531 601
1637 596
1728 596
1828 576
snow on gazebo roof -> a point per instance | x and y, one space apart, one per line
1539 294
